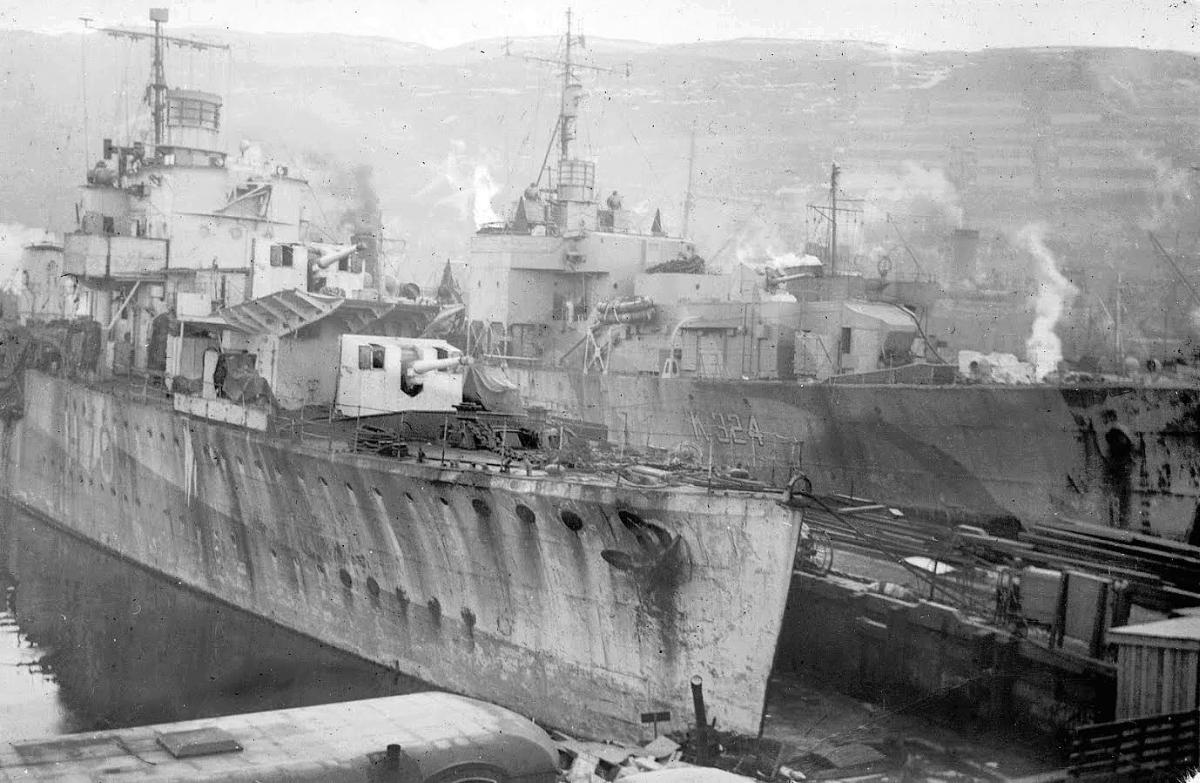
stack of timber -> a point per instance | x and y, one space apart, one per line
1161 574
1157 747
864 523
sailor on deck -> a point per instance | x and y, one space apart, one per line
614 201
531 192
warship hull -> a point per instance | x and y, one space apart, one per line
499 586
1124 456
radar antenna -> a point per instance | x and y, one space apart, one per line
564 131
156 91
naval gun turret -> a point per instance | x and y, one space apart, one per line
381 375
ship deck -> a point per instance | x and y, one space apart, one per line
314 430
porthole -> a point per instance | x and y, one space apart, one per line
435 609
372 587
344 575
444 501
481 508
409 496
573 521
525 514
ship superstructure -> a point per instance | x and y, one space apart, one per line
805 368
221 398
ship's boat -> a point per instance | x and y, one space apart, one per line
422 738
808 369
213 394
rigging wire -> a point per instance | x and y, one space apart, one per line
655 190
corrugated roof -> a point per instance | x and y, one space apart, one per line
283 312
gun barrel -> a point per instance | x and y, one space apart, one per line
422 366
331 257
779 279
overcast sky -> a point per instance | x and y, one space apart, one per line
918 24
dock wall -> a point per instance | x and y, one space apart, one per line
927 656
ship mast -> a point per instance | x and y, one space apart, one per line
156 91
830 212
567 130
158 85
833 182
564 129
689 202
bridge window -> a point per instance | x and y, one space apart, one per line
846 342
370 357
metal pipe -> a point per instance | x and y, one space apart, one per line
698 702
701 718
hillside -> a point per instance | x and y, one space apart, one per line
1099 144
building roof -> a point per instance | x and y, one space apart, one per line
1178 628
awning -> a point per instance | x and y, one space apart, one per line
215 321
890 315
284 312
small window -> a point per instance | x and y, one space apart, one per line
344 264
370 357
109 225
281 255
846 339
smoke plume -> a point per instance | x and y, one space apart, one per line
1054 292
363 215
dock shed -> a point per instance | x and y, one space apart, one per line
1158 664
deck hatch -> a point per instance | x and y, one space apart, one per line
70 749
207 741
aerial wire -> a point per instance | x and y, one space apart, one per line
83 85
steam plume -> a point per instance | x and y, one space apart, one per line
484 190
13 239
1043 348
914 189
